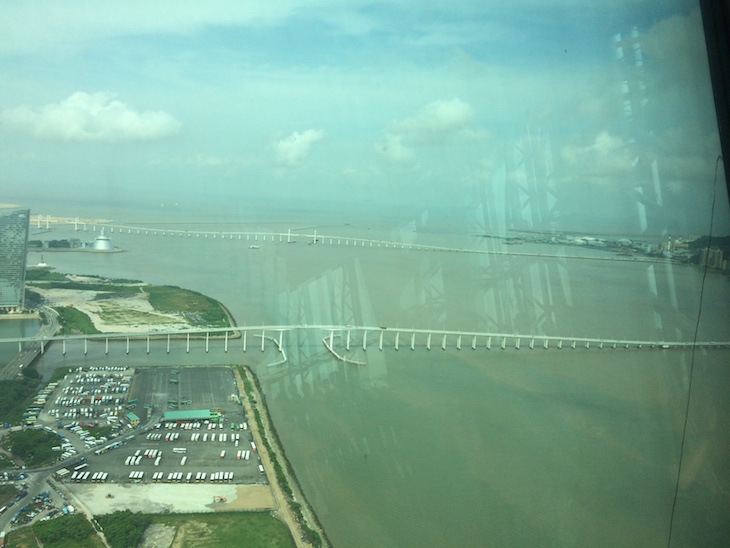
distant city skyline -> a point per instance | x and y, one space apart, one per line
370 103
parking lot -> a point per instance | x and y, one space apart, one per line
217 450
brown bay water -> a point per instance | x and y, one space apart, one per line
467 447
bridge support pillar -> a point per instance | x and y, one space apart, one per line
225 343
263 339
474 343
413 340
560 345
443 342
347 345
588 344
532 344
187 344
504 343
244 341
365 340
207 337
332 336
168 342
127 345
148 344
572 345
517 344
281 338
380 344
458 342
63 351
106 346
489 343
42 347
86 348
397 336
545 344
428 342
600 346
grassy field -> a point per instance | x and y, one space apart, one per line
114 308
33 447
227 529
21 538
74 322
67 532
258 529
60 373
16 394
197 308
8 492
63 532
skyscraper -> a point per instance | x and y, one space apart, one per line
13 250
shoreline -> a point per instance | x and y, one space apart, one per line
22 316
268 446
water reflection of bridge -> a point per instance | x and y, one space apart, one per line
341 340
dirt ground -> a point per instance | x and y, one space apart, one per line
161 498
158 535
130 314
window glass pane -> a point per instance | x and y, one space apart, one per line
491 239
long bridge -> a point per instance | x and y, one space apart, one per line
344 338
312 237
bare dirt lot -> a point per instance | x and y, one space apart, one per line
182 498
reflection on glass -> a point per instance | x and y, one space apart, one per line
487 235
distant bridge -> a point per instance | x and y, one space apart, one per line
312 238
339 339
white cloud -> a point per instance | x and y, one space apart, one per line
393 149
606 160
437 122
90 117
294 148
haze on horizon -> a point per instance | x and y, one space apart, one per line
316 103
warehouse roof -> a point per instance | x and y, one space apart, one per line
187 415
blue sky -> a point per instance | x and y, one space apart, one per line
421 103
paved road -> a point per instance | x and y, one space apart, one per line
30 350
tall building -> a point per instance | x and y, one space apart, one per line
13 250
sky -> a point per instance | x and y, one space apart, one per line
512 110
